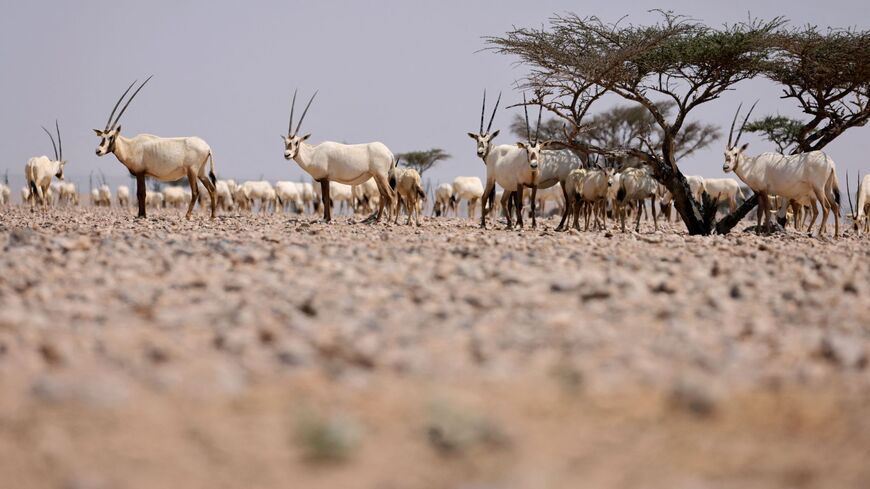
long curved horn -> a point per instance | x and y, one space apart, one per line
526 112
109 122
849 193
305 111
733 121
59 142
52 142
494 109
292 109
115 124
538 127
745 120
482 111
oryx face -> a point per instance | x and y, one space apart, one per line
533 150
107 140
733 157
292 144
59 173
484 142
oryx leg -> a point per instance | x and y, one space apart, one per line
194 192
488 196
325 200
518 203
569 204
386 200
640 211
211 193
140 194
653 205
532 203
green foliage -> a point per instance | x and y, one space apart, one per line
828 74
780 130
422 160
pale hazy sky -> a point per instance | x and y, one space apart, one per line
406 73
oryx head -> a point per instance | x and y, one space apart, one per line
534 146
856 214
484 138
734 154
109 135
293 140
58 150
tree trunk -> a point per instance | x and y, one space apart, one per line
731 220
697 216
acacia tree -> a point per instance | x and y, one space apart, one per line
422 160
622 125
576 60
828 75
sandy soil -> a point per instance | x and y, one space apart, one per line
275 352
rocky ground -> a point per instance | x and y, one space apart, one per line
276 351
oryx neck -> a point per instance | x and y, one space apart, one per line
121 149
304 155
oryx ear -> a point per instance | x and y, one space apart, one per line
743 148
118 130
494 134
98 132
283 137
472 135
306 137
521 145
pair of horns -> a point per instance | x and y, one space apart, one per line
742 126
290 131
538 127
110 124
58 155
483 110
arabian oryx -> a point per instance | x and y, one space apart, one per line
790 177
166 159
350 164
859 213
39 170
506 164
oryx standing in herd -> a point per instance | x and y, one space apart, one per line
506 164
39 170
791 177
166 159
350 164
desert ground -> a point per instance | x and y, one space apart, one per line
277 351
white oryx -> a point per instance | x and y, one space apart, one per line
5 194
224 194
723 190
469 189
859 213
68 194
411 195
39 170
349 164
289 195
259 191
366 197
790 177
506 164
637 185
123 194
444 201
175 197
166 159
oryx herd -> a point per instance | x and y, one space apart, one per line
366 179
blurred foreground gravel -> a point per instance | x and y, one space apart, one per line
276 351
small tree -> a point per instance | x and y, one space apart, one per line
577 60
828 75
780 130
422 160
